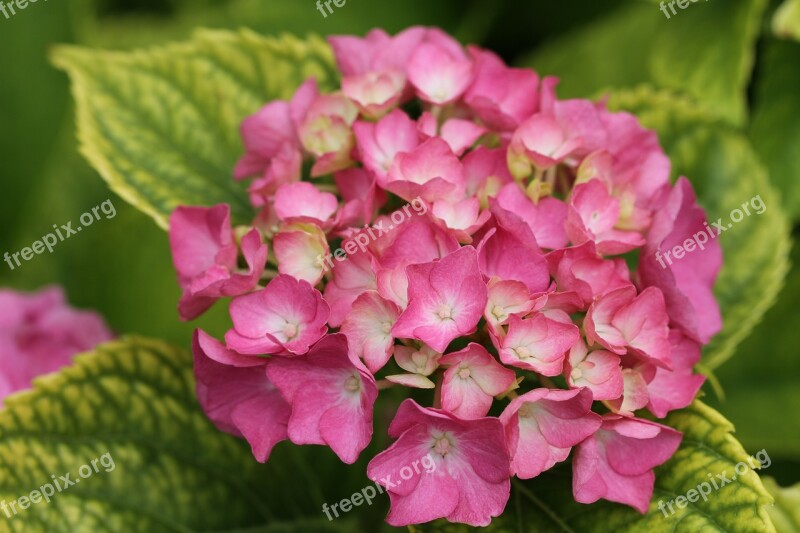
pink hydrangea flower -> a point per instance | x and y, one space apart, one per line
582 270
598 371
540 142
204 254
298 249
546 218
375 93
616 463
446 299
510 253
620 320
594 215
501 97
326 132
471 382
493 222
676 388
439 73
537 343
461 219
458 133
543 425
303 202
506 298
379 142
273 150
237 396
471 481
39 334
368 328
686 283
350 279
430 171
331 394
286 317
485 173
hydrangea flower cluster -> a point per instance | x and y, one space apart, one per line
39 334
507 293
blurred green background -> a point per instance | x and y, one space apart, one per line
122 267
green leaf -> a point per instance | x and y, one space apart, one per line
133 399
762 377
774 131
173 471
785 514
786 20
726 174
545 504
705 51
162 125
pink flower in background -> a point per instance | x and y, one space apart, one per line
445 225
39 334
471 481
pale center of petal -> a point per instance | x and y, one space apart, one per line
290 330
523 352
386 327
419 359
352 384
442 445
526 411
464 373
577 373
499 312
444 312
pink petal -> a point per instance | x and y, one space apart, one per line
446 299
538 343
368 328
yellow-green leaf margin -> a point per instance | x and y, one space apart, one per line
161 125
133 399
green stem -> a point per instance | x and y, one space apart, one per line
540 504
